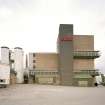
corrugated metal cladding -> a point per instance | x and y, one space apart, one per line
65 50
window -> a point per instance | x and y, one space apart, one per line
33 54
34 61
33 66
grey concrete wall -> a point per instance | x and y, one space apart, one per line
65 49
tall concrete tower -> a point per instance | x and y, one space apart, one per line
18 63
65 51
4 55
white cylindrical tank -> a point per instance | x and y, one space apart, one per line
4 55
18 63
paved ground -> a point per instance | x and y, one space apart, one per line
51 95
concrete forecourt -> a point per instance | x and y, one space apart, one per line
31 94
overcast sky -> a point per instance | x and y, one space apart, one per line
33 24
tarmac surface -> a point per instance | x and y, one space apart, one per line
31 94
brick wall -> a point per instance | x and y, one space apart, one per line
46 61
83 64
83 43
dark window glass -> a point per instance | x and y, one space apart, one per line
33 66
34 61
33 54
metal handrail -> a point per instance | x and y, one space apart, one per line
86 53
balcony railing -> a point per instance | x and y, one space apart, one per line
43 72
86 54
90 72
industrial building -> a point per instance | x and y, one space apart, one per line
73 64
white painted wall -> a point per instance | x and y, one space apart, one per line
5 73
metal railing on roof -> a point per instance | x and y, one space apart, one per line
43 72
90 72
86 54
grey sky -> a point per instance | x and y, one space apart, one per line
33 24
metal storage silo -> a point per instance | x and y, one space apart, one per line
4 55
18 63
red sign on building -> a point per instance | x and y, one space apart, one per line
66 38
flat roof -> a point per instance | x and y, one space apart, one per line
18 48
5 47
